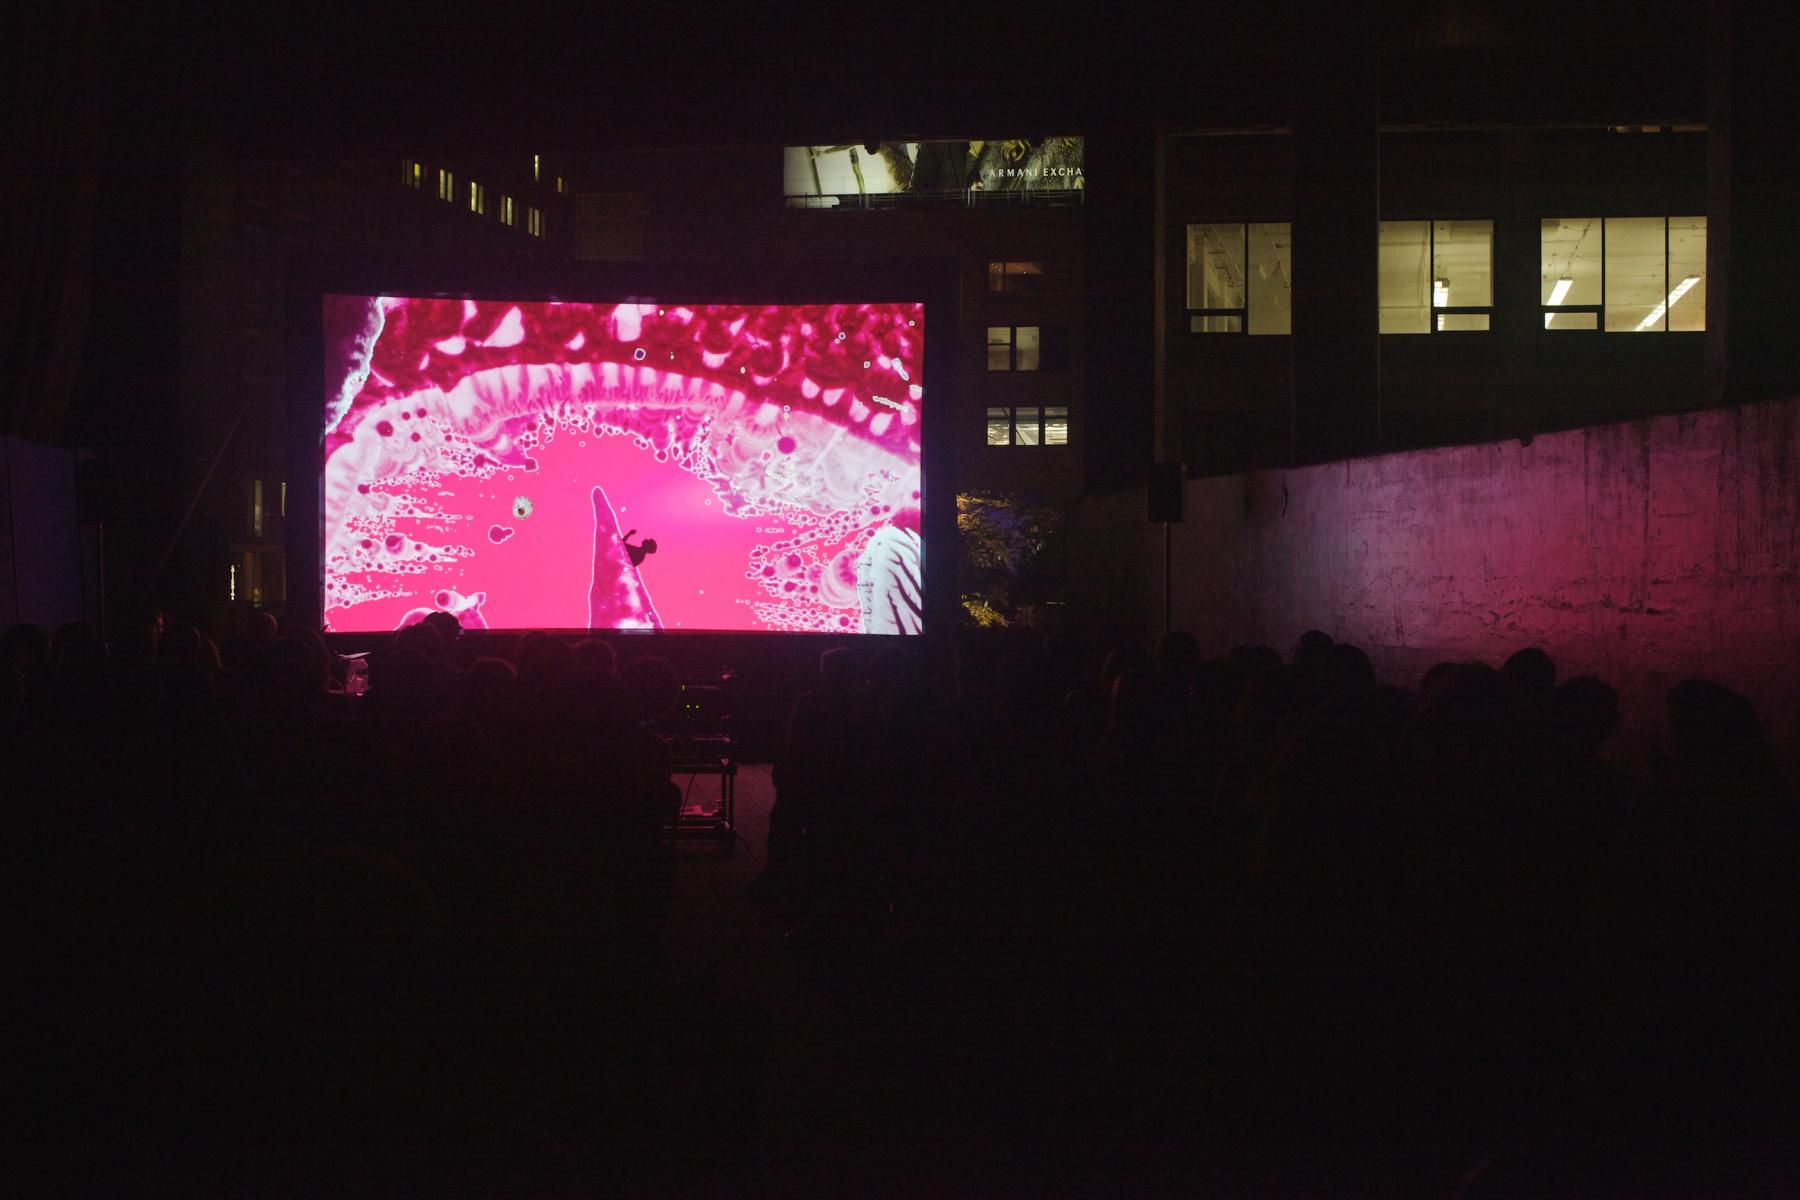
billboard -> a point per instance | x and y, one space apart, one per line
533 464
893 174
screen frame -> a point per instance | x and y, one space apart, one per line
932 284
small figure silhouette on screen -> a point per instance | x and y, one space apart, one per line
640 552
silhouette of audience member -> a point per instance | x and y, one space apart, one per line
403 684
819 776
491 695
546 675
1723 772
1695 925
1309 658
655 692
1529 674
594 657
448 629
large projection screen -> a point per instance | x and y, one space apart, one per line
536 464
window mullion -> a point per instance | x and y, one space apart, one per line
1431 326
1245 326
1665 300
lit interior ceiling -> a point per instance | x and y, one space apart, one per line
1571 250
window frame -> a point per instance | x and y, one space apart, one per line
1599 310
1434 310
1241 315
1034 416
1058 275
1060 340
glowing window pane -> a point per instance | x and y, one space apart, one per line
1637 279
1687 261
1215 266
999 427
1056 426
1025 426
1271 277
1027 347
1028 275
999 347
1403 260
996 274
1216 323
1462 264
1569 249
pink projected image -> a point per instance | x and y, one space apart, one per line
551 465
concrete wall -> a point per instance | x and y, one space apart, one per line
1644 552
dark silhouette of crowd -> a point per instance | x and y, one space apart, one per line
1127 920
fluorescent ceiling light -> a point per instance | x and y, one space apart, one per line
1561 289
1440 293
1675 293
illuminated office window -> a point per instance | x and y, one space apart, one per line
284 498
1027 347
506 210
412 174
1637 274
1686 302
1435 276
534 222
562 186
1029 276
1028 426
1571 272
1623 274
256 508
537 168
477 198
1240 277
1462 275
1403 260
1654 276
446 189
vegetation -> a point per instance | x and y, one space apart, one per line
1010 558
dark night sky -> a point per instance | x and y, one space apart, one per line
394 79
